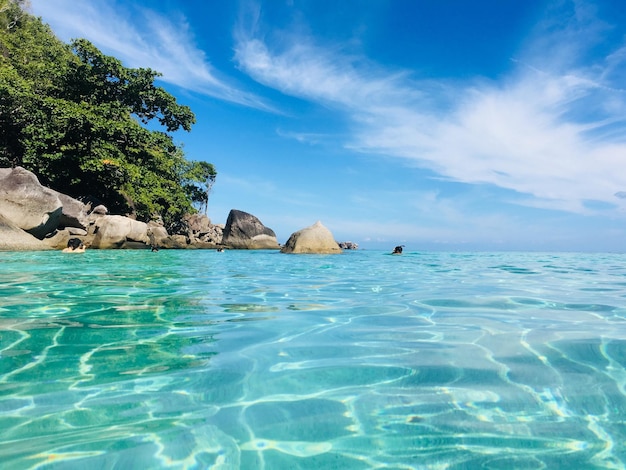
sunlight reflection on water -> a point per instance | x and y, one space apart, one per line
188 359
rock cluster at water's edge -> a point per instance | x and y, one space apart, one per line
34 217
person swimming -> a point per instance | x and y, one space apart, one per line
74 245
397 250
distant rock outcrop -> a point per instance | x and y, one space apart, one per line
33 217
313 239
202 232
27 204
348 245
245 231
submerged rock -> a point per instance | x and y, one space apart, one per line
313 239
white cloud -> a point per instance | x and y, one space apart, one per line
163 44
553 132
303 137
306 71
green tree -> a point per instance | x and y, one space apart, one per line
198 181
76 118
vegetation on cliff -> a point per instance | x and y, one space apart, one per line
76 118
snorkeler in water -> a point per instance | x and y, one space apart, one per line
74 245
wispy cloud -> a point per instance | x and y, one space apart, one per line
552 130
164 44
304 137
310 72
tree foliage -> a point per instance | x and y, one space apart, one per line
76 118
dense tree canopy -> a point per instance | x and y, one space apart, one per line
74 116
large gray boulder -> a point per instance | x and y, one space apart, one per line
13 238
74 213
116 231
27 204
313 239
245 231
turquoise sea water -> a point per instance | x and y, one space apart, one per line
260 360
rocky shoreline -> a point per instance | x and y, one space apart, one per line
34 217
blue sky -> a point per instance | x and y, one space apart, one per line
440 125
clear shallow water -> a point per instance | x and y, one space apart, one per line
199 359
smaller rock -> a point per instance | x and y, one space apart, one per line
313 239
99 210
59 238
198 223
177 241
157 235
348 245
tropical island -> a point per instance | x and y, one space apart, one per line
78 120
90 142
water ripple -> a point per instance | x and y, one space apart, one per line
182 359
